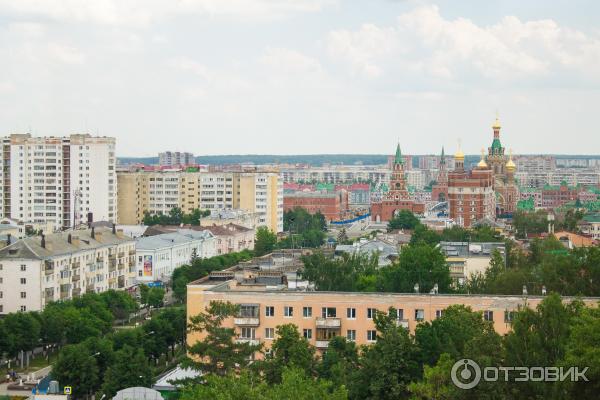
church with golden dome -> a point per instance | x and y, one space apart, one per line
504 170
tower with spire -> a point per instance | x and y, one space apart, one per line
439 191
398 178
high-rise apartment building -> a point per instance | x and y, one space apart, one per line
58 180
175 158
157 192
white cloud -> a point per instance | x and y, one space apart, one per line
144 12
289 61
425 42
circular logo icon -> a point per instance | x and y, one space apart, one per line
465 374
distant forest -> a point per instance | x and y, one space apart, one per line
312 159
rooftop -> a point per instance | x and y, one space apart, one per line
163 240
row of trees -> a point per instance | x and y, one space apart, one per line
175 217
103 365
66 322
201 267
420 264
400 365
536 222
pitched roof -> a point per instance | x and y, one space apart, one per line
169 239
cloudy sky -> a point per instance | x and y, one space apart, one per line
304 76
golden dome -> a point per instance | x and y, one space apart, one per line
482 164
510 165
459 155
496 124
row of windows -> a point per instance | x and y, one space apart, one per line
250 333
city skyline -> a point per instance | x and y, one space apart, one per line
259 77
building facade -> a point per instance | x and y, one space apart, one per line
320 316
397 197
333 205
175 158
40 269
504 170
62 180
157 256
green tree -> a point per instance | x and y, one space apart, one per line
436 383
289 350
218 352
339 363
388 366
265 241
120 303
342 236
23 333
77 368
130 368
403 220
344 273
155 297
419 264
422 234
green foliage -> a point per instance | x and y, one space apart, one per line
218 352
404 220
265 241
120 303
345 273
130 368
175 217
419 264
306 230
289 350
339 363
22 332
77 368
200 267
436 383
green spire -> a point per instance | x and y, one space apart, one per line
398 159
442 157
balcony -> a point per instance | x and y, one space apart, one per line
76 291
402 322
247 321
251 342
329 323
75 278
121 254
132 252
322 344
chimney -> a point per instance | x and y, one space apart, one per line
43 243
69 239
93 233
120 233
8 239
114 229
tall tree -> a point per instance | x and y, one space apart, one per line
289 350
77 368
130 368
265 241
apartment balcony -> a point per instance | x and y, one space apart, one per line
246 321
75 278
329 323
322 344
402 322
121 254
100 259
76 291
89 289
251 342
64 295
132 252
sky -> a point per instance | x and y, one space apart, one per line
304 76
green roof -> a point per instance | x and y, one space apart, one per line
496 145
591 217
398 159
526 205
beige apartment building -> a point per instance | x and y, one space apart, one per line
157 192
37 270
320 316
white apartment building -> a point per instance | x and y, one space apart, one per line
58 180
216 190
336 173
175 158
40 269
157 256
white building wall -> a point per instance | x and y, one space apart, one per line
12 288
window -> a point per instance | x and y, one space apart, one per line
488 315
23 281
419 314
307 312
438 313
351 334
23 308
249 311
351 313
307 333
371 335
399 314
23 267
23 295
371 313
269 311
508 316
288 311
248 333
328 312
269 333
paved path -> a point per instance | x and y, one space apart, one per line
39 374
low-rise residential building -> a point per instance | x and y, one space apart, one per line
386 252
468 258
590 225
320 316
231 238
157 256
37 270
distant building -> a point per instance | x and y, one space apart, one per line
232 238
175 158
397 198
439 191
157 256
590 226
386 252
37 270
333 205
556 196
58 180
466 258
